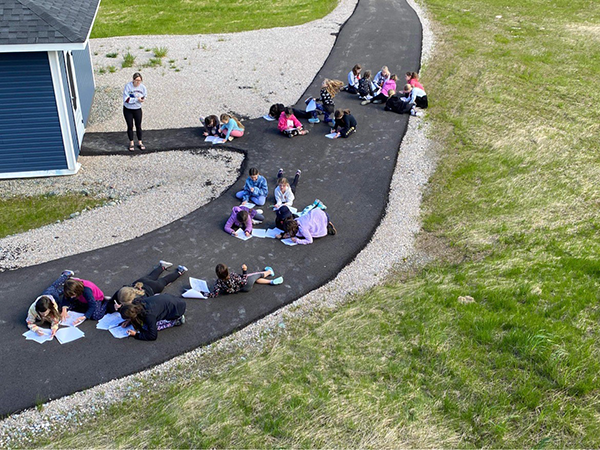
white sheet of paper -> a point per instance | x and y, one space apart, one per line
109 321
119 332
259 232
331 135
33 336
199 285
192 293
69 334
241 234
268 117
72 316
312 105
218 140
210 138
249 205
273 232
289 242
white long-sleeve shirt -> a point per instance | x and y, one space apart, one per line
284 198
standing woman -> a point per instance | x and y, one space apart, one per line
134 95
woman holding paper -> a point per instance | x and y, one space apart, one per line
151 314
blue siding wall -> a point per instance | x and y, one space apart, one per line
85 80
30 136
70 113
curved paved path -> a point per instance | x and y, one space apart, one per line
351 176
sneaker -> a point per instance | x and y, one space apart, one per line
319 204
270 269
256 222
182 269
331 229
419 114
259 211
68 273
279 173
364 102
298 173
290 135
377 102
277 281
314 120
230 138
164 264
180 321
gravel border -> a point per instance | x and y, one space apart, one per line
391 247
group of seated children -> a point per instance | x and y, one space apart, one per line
228 128
383 89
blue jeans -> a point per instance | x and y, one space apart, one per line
326 115
257 200
56 288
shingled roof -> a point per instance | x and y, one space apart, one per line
31 22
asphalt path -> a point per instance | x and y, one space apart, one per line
351 176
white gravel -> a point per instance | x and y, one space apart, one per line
392 247
243 73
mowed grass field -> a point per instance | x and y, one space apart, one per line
136 17
496 343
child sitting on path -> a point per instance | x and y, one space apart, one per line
383 93
231 283
242 217
289 125
381 77
231 128
255 189
412 78
353 79
365 87
329 89
416 97
211 125
345 123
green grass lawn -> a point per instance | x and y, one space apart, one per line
25 213
135 17
513 210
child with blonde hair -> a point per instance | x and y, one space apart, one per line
284 192
329 90
231 127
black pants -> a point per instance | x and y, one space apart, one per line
421 102
293 184
381 97
158 284
131 116
352 90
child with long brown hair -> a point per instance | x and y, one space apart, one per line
353 79
345 123
45 308
329 90
85 297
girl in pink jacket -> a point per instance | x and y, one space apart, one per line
388 85
289 124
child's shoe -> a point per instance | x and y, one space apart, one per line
68 273
182 269
298 173
259 211
180 321
164 264
277 281
365 102
314 120
331 229
280 173
270 269
319 204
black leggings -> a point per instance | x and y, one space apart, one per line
293 184
158 284
250 280
131 116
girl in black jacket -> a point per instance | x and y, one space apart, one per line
148 315
345 123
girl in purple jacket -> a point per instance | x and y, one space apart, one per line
242 217
304 229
